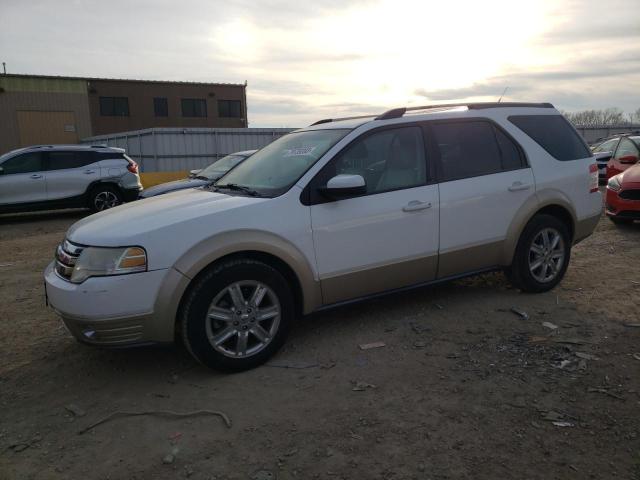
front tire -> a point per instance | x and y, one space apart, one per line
542 255
237 315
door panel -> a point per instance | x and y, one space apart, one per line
23 179
475 215
70 173
369 244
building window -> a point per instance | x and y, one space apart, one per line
230 108
161 107
114 106
194 107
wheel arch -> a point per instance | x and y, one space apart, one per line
262 246
553 203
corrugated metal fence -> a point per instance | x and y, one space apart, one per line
591 134
181 149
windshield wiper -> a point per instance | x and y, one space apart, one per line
241 188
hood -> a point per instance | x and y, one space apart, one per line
153 219
631 175
173 186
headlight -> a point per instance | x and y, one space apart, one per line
99 262
614 184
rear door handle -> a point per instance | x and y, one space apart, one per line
517 186
415 205
89 171
35 176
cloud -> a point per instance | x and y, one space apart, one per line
308 60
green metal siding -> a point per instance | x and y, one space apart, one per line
44 85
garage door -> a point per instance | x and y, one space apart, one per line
46 127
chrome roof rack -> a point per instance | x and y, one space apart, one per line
399 112
329 120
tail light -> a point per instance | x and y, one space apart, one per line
132 166
593 174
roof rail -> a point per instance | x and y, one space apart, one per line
329 120
399 112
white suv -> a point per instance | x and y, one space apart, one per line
332 213
66 176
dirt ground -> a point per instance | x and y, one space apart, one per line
464 388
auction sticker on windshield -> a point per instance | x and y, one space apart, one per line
294 152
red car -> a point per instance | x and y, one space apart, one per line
623 196
626 154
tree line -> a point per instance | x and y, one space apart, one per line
604 117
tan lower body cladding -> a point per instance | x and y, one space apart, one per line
352 285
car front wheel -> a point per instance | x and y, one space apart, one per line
237 315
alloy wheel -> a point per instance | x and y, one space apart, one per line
546 255
105 200
243 318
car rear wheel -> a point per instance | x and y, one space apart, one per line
237 315
542 255
104 197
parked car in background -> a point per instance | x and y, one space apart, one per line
66 176
603 151
198 178
623 196
626 154
336 212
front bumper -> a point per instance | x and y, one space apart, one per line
122 310
621 207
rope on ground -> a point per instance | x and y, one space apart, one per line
158 413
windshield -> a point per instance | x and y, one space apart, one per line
221 166
272 170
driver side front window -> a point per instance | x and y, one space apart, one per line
25 163
387 160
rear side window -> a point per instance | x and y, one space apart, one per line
554 134
474 148
67 160
109 156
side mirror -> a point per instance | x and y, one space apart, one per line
1 171
628 159
344 185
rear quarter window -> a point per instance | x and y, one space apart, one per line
554 134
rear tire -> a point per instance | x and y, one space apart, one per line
542 255
104 197
237 315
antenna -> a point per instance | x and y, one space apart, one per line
503 92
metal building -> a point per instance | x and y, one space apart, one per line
38 109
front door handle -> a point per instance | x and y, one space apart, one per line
415 205
517 186
35 176
89 171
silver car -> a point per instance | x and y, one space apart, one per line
66 176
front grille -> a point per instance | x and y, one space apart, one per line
67 254
630 194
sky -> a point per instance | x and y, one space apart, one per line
307 60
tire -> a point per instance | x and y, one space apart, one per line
621 221
103 197
531 249
200 321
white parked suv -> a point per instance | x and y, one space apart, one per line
66 176
332 213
